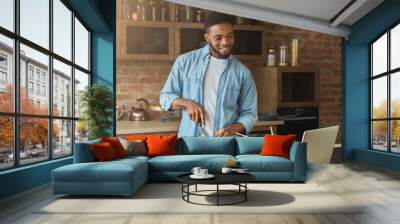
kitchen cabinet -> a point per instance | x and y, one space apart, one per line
165 40
248 40
279 87
145 40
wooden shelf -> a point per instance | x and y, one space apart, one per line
143 23
235 27
189 25
173 40
249 27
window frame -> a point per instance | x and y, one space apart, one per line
5 58
16 114
3 69
388 74
3 74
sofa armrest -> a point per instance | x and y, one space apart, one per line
298 155
83 152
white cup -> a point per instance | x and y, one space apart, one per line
196 171
203 172
226 170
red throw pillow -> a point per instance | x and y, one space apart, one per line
103 151
161 145
277 145
116 145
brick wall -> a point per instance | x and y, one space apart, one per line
137 79
324 52
146 78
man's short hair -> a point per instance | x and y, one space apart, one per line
214 18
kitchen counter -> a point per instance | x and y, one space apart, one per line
156 126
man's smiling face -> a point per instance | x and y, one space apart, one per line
221 39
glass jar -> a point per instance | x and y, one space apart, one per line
141 9
271 58
135 15
283 55
126 10
164 11
295 52
188 14
153 11
178 13
239 20
199 16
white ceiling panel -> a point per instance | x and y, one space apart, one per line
320 9
312 15
362 11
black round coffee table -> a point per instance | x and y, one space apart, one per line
238 179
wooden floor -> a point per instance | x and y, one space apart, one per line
377 188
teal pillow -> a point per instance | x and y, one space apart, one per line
249 145
83 152
206 145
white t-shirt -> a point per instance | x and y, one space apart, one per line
210 86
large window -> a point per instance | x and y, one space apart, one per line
385 91
7 14
3 72
44 64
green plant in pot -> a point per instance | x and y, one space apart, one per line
96 104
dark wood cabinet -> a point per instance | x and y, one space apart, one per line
285 87
145 40
189 39
165 40
248 40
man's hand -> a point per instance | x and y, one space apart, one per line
195 111
230 130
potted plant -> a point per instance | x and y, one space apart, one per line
96 104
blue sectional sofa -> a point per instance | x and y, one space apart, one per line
125 176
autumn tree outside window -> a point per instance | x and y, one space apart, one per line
385 91
44 64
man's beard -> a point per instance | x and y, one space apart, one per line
216 53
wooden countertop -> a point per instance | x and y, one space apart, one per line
155 126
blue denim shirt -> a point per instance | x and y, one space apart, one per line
236 99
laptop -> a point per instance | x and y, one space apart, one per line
320 144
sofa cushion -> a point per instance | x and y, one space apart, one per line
185 163
159 145
83 152
103 151
202 145
257 163
132 158
277 145
112 171
116 145
249 145
134 147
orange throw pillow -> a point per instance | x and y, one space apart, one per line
161 145
277 145
135 137
116 145
103 152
